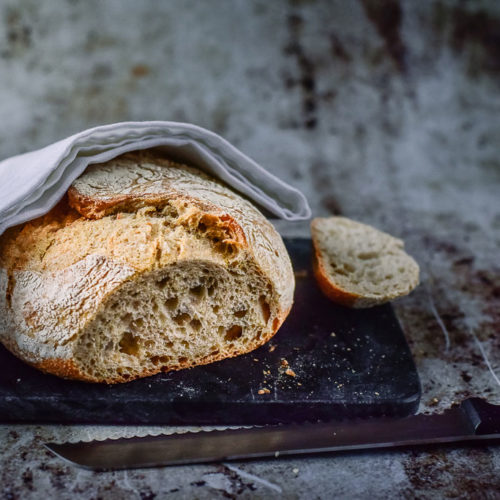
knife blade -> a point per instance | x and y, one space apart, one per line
474 420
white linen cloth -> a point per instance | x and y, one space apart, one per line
32 183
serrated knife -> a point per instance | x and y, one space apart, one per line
474 420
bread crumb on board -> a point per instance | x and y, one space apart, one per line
272 348
301 273
290 372
284 362
264 391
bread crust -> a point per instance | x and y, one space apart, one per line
58 269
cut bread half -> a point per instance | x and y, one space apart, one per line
359 266
145 266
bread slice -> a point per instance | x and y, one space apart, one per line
146 266
359 266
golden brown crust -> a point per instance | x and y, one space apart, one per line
158 192
86 206
21 246
64 368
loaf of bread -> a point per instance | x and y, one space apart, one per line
359 266
145 266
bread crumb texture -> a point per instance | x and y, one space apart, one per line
145 266
359 266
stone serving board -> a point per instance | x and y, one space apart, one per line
347 363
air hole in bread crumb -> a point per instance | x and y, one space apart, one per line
202 227
185 343
129 344
156 360
233 333
172 303
138 323
225 248
241 313
161 284
367 255
182 359
349 267
215 309
197 291
170 211
266 310
181 318
195 324
231 249
210 290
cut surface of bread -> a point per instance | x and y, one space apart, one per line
359 266
145 266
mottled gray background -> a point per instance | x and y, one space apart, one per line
386 111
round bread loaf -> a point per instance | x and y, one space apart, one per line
145 266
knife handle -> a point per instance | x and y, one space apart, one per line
483 416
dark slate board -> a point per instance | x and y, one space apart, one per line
348 363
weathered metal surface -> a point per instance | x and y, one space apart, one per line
386 111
